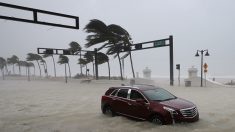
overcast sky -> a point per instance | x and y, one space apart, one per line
194 24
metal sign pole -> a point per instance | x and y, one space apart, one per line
96 65
171 61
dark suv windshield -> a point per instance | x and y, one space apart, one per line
159 94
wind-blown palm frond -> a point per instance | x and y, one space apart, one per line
82 61
96 26
46 55
95 39
2 63
34 57
102 58
74 47
119 31
63 59
89 56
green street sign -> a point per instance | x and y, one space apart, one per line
159 43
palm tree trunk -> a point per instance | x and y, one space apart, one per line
39 69
3 77
54 65
109 69
132 67
13 68
46 71
6 69
34 70
93 66
69 71
86 70
44 68
66 79
28 73
19 69
120 64
81 64
123 67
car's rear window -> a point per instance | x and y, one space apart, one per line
122 93
109 91
114 92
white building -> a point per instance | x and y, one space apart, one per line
147 73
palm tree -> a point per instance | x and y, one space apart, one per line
47 55
35 57
128 47
89 56
27 66
30 64
43 62
16 61
9 62
113 37
75 48
22 63
12 61
6 68
102 58
3 63
83 62
64 60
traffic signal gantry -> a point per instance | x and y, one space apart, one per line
133 47
156 44
36 13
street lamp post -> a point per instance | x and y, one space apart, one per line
207 54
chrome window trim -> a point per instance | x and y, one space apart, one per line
129 93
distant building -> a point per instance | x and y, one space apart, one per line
147 73
192 72
193 79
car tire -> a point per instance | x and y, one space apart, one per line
157 120
107 110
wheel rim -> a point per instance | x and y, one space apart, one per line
157 121
108 111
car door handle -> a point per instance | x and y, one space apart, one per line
113 99
129 103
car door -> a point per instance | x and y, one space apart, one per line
137 109
120 102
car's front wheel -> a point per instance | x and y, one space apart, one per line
107 110
158 120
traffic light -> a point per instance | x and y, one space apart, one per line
138 46
178 66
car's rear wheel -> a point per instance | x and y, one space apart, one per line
107 110
157 120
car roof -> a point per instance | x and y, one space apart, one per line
141 87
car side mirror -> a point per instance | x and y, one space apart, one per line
140 101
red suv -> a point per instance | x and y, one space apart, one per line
147 102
